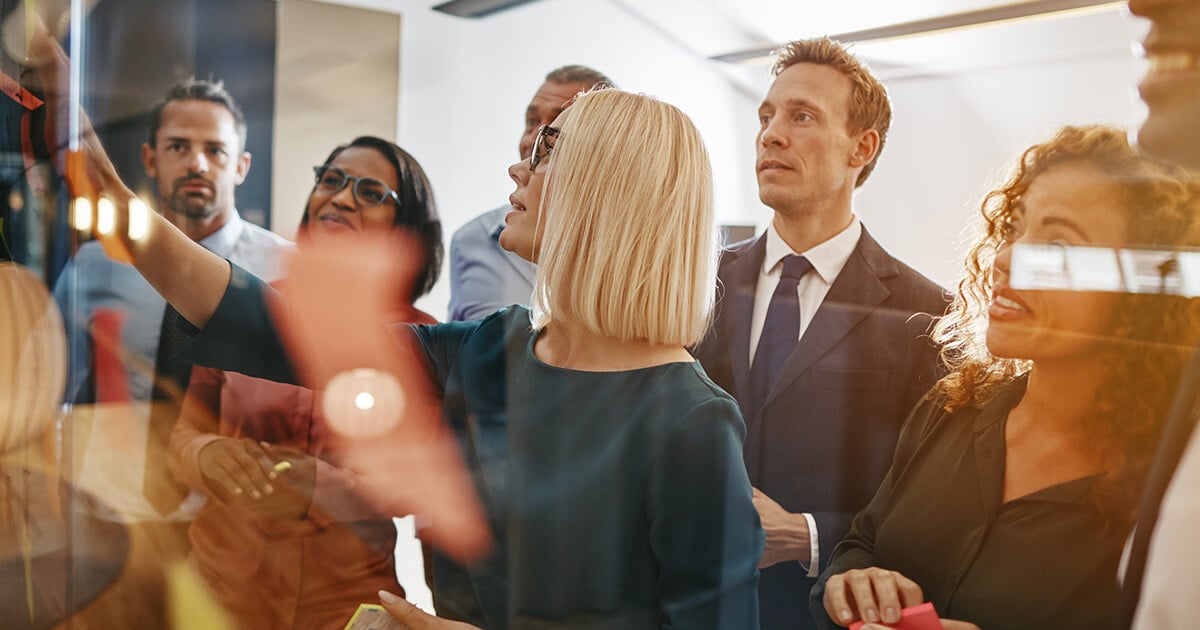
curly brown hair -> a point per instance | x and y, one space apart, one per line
1151 332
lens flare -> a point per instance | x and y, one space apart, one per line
363 402
106 217
139 219
81 214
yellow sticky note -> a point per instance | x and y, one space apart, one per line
372 617
190 605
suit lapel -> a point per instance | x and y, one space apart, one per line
743 275
855 293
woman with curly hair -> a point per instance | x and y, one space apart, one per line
1013 485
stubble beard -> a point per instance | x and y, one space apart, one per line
192 206
783 200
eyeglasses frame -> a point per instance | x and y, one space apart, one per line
544 132
353 182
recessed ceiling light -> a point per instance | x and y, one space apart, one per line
477 8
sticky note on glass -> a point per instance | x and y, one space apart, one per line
372 617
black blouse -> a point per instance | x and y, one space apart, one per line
1044 560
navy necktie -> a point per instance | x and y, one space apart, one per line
781 330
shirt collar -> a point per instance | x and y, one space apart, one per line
827 259
498 226
222 241
990 424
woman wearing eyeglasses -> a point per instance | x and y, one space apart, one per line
301 547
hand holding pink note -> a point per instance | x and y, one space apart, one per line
922 617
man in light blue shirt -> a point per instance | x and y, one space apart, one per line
196 155
483 276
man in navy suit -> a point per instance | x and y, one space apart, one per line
826 354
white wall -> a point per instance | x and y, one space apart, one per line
326 94
954 135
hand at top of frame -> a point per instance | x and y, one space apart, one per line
89 171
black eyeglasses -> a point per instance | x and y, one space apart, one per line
367 190
543 144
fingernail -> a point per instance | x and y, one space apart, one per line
269 488
272 475
237 490
891 615
387 597
871 615
255 494
845 614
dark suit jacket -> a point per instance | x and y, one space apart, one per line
825 437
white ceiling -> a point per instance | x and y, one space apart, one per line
713 27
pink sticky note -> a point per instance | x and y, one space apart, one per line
922 617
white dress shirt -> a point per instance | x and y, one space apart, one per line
1172 577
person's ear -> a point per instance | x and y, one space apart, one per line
243 166
866 147
150 160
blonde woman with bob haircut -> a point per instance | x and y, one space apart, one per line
608 464
629 246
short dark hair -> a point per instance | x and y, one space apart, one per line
579 74
416 211
193 89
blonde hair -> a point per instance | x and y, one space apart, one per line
629 249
